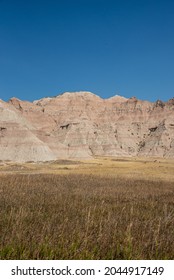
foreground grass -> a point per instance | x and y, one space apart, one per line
85 217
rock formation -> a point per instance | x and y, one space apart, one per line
83 125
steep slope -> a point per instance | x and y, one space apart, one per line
17 142
82 125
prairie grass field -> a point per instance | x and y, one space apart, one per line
105 208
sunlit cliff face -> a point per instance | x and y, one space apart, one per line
83 125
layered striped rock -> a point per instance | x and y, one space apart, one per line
83 125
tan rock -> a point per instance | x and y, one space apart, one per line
82 125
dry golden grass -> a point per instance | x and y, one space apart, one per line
136 168
101 209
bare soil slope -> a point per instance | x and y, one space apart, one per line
81 125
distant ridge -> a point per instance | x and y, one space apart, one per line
83 125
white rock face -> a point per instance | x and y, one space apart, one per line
83 125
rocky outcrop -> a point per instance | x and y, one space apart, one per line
83 125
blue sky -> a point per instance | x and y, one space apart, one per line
107 47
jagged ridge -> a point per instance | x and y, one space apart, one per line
83 125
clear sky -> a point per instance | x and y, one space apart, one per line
107 47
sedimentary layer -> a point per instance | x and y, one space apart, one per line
83 125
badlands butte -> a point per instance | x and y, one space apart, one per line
81 125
